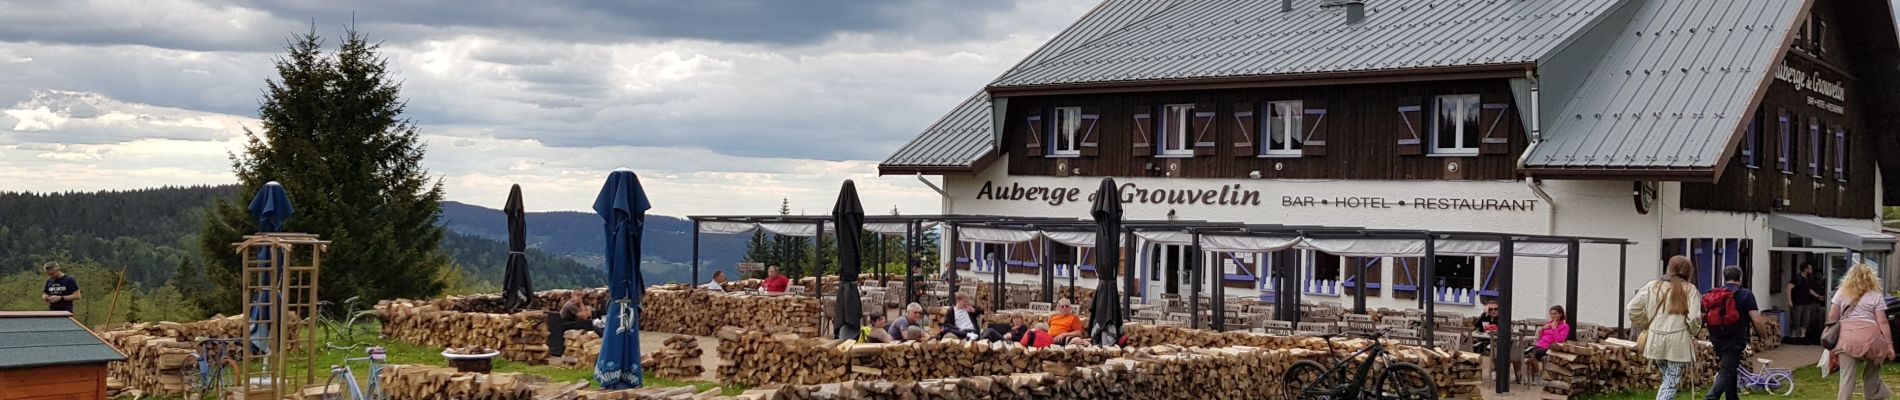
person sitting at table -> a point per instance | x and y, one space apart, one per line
1012 331
1554 332
574 314
718 283
1037 337
775 282
1065 325
875 332
962 320
913 316
1487 323
914 334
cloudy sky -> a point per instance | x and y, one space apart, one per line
723 106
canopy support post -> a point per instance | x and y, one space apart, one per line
998 264
956 242
1570 299
1423 286
1045 269
695 252
1622 283
1220 294
1195 272
1128 274
1359 286
911 239
817 263
1501 348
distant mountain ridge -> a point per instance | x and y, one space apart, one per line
580 235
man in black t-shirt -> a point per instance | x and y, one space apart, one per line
1804 294
61 289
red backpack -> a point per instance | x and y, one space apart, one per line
1718 311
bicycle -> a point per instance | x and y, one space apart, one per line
375 359
1775 381
213 367
331 327
1308 379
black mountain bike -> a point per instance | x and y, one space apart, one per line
1346 379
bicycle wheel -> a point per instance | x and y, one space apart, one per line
1405 381
327 393
1308 380
1781 384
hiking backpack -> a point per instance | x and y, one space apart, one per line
1718 311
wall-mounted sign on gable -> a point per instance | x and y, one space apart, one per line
1810 83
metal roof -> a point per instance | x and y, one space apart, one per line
38 339
966 134
1243 38
1672 89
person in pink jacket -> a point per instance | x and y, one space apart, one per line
1554 332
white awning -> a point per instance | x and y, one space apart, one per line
1362 247
1489 248
1077 239
792 229
723 227
1852 234
1167 237
1247 244
994 236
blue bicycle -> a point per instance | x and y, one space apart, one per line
342 372
215 365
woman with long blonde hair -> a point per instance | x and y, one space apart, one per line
1665 310
1860 309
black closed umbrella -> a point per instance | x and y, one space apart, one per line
516 288
1105 319
848 215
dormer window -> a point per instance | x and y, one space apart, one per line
1285 120
1455 125
1066 132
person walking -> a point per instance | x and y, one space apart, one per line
1667 308
60 290
1860 309
1729 332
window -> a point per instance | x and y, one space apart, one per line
1455 126
1815 148
1453 274
1786 160
1819 36
1322 278
1840 155
1285 123
1177 122
1751 145
1068 125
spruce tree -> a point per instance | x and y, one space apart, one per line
333 134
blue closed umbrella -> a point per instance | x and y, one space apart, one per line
623 206
271 207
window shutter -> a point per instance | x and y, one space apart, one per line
1405 277
1033 133
1497 134
1244 131
1313 141
1204 129
1411 129
1488 268
1091 116
1143 135
1814 148
1786 151
1840 154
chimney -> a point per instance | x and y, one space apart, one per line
1355 11
1286 5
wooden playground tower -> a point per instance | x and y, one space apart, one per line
280 277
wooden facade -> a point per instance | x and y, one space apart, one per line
1789 157
71 381
1369 131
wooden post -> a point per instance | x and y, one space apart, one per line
116 289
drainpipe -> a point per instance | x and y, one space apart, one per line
948 203
1537 129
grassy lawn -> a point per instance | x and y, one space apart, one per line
1808 384
404 353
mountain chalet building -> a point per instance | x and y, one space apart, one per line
1738 132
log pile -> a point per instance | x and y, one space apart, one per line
158 354
678 358
912 361
583 349
1578 369
1767 338
756 357
683 310
521 337
420 382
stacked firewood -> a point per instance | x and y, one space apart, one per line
678 358
1165 372
153 364
583 349
756 357
682 310
520 336
912 361
1767 338
1577 369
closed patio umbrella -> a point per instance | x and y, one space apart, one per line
272 208
622 205
516 287
1105 318
848 215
